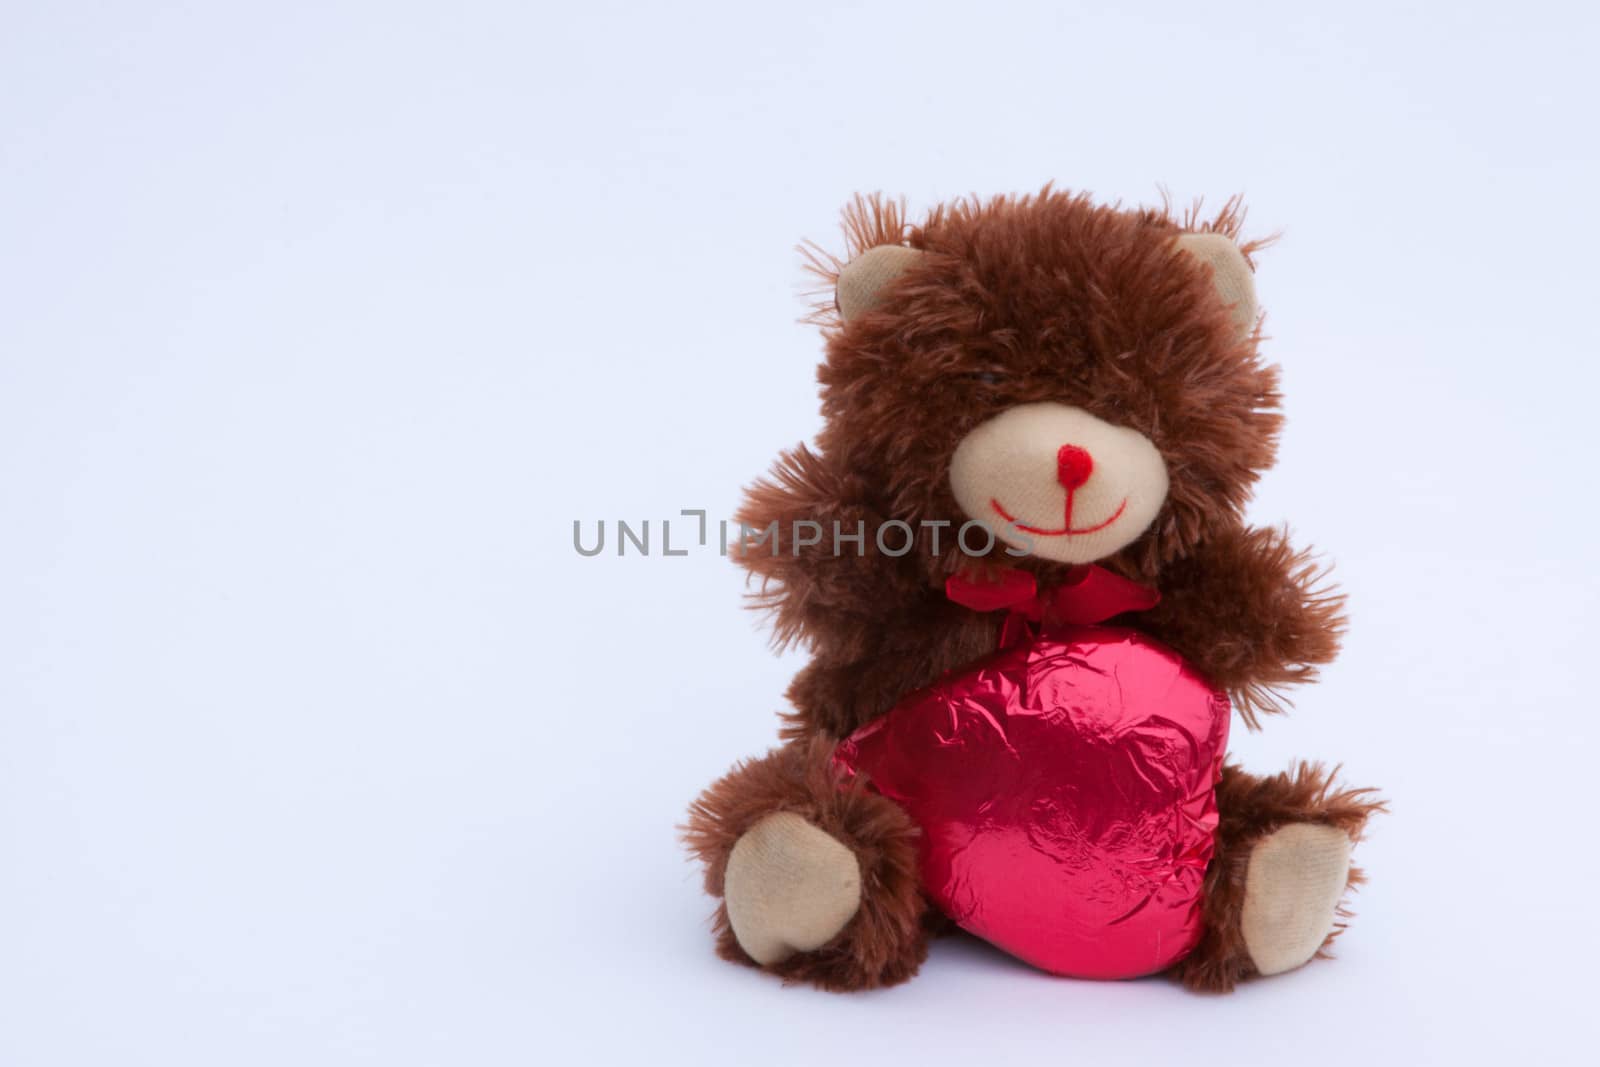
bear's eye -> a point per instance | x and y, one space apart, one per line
987 377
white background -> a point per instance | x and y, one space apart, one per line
321 323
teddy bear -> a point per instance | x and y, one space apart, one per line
1017 556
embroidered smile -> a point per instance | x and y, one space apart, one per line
1067 529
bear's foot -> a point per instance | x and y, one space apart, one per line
1274 890
1292 888
818 877
789 888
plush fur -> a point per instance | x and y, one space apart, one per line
1017 300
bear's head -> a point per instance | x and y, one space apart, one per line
1082 379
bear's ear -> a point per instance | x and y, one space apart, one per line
1230 272
861 281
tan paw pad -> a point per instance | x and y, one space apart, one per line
1296 876
790 887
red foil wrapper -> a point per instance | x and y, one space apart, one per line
1065 787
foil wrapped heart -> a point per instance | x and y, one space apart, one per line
1065 787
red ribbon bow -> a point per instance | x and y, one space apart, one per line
1090 594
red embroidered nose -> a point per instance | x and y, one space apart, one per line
1073 466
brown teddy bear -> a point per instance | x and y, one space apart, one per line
1018 558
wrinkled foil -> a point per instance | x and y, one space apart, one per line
1065 787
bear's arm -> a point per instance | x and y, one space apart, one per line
824 593
1252 613
877 625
